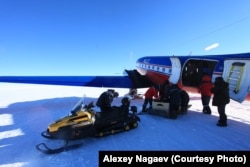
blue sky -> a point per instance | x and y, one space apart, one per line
104 37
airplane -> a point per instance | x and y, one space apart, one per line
186 71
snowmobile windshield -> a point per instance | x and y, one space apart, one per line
78 106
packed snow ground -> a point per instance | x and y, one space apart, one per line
26 110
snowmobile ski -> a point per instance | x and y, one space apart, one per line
46 135
42 147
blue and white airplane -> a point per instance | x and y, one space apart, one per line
183 70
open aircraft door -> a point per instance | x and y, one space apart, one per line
175 71
236 73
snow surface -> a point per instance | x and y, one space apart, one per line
26 110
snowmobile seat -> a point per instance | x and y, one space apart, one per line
115 113
118 113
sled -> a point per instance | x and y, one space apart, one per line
162 109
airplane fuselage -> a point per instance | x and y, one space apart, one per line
188 70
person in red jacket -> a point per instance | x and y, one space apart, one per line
150 93
205 91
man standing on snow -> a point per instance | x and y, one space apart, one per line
174 98
184 101
205 91
150 93
220 99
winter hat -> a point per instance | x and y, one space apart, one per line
219 79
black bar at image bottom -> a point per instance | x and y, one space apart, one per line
173 158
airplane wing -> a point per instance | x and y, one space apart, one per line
91 81
132 80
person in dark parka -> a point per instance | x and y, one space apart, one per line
184 101
105 100
221 99
173 96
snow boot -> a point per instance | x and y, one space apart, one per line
173 114
222 123
184 110
206 110
144 108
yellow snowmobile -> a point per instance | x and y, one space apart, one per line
84 122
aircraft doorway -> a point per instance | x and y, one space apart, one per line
194 69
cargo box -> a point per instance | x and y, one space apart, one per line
160 108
